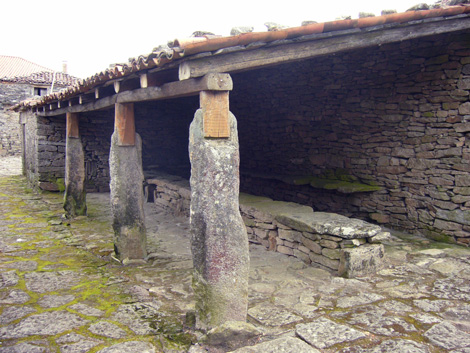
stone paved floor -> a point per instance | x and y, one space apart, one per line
60 290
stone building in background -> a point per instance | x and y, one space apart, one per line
20 80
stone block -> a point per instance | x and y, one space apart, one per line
329 244
311 236
261 233
333 254
312 245
302 256
285 250
290 235
361 261
322 260
352 243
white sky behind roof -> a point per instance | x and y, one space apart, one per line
91 34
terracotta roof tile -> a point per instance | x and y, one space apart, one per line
45 78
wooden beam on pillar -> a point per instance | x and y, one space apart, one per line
215 112
72 125
124 124
191 87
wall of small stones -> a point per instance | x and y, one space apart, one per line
44 150
164 128
396 116
96 129
349 257
10 132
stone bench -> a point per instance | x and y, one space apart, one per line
345 245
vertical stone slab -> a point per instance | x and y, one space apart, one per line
127 197
75 195
219 241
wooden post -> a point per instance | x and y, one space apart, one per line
215 111
124 124
72 125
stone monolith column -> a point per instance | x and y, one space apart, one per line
219 240
75 195
127 197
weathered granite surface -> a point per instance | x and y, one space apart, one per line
219 241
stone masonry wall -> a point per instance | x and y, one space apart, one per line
10 132
96 129
395 116
164 128
51 152
349 247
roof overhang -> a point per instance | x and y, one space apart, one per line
176 72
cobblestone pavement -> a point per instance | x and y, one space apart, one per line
60 291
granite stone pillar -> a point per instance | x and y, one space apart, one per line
127 198
219 240
75 195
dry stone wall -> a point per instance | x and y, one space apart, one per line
164 127
349 247
10 132
96 129
396 117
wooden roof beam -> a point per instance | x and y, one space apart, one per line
192 87
318 45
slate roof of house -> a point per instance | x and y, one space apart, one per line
13 66
209 45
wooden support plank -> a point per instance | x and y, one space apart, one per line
117 86
124 124
321 44
72 125
126 85
192 87
215 112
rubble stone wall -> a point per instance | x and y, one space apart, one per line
10 132
164 127
96 129
350 247
396 117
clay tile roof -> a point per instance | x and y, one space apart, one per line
44 78
214 45
12 66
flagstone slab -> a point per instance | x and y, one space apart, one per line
271 315
54 301
324 333
447 335
43 282
130 347
16 296
107 329
280 345
44 324
13 313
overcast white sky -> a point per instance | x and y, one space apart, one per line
91 34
